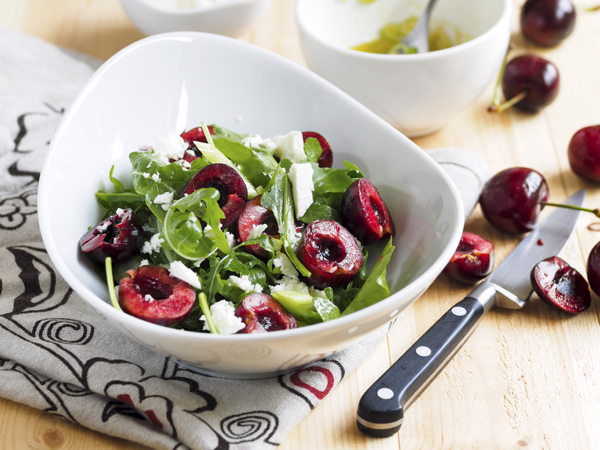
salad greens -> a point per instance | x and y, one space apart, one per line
186 228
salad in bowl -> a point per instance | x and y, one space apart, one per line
226 233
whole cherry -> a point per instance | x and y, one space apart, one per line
529 83
547 22
150 293
330 253
365 213
232 189
262 313
119 237
593 269
560 285
584 153
512 199
472 261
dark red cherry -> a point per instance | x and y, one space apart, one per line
262 313
152 294
584 153
472 261
365 213
593 269
196 134
547 22
119 237
252 215
534 79
510 200
556 282
232 189
326 158
330 253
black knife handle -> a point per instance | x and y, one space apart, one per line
381 408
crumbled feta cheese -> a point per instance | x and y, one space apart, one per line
148 298
153 245
120 211
288 283
149 165
245 284
257 142
257 230
287 267
170 146
314 292
179 270
103 227
156 177
290 146
223 314
302 187
144 262
231 241
145 174
186 165
191 152
166 200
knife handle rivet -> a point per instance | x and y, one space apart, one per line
385 393
423 351
459 311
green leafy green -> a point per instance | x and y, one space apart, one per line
375 287
313 149
306 308
116 183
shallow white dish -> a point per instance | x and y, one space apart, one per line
125 106
227 17
416 93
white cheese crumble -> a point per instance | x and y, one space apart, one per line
145 174
290 146
169 146
103 227
223 314
257 142
120 211
144 262
153 245
257 230
302 187
148 298
288 283
156 177
245 284
231 241
166 200
283 262
179 270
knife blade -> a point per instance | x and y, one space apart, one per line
381 408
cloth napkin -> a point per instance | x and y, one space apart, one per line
59 356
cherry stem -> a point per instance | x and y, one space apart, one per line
508 104
496 100
595 212
592 8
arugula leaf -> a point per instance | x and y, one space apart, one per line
256 165
126 198
320 212
278 199
375 287
313 149
183 231
326 309
221 132
116 183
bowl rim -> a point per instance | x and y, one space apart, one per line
504 17
194 10
133 323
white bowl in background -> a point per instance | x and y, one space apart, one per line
228 17
125 106
416 93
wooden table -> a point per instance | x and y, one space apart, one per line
525 379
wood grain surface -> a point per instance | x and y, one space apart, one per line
527 379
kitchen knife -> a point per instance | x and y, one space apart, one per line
381 408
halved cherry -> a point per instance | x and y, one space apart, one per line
229 183
556 282
253 215
196 134
365 213
119 237
326 158
152 294
330 253
262 313
473 259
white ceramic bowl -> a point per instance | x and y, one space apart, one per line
416 93
227 17
125 106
